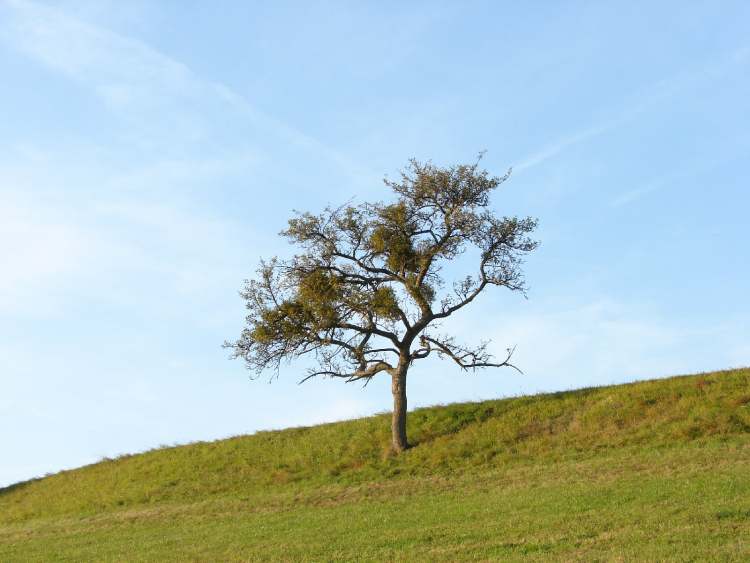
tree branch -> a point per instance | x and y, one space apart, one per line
364 373
464 357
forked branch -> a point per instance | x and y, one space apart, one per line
466 358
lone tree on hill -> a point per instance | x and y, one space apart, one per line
364 293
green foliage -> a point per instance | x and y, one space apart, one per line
280 322
365 291
384 303
317 293
393 238
651 470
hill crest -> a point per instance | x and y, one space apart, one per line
447 439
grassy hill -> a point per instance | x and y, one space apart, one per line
652 470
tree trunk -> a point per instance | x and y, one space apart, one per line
398 421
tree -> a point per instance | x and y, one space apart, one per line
365 292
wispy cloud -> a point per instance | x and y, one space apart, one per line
140 82
678 176
37 247
606 341
639 102
125 72
140 221
56 255
564 143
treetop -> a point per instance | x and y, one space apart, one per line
367 281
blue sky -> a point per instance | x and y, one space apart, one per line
152 150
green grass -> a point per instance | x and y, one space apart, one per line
656 470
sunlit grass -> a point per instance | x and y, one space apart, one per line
651 470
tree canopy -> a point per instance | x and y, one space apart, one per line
364 292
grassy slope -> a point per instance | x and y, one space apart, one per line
652 470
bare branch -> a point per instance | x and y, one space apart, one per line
466 358
366 373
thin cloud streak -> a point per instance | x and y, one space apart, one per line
567 142
160 93
134 78
673 177
651 96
